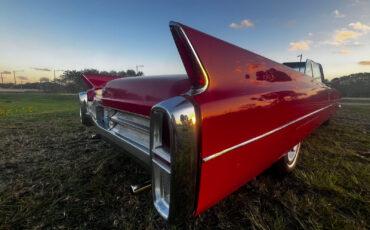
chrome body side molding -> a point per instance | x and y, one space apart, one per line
215 155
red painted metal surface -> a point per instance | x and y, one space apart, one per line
97 81
91 94
139 94
248 96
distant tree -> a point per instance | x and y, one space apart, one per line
353 85
104 73
131 73
112 73
44 79
71 81
121 73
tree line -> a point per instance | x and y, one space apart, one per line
353 85
70 81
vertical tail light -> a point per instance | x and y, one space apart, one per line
175 157
161 162
197 74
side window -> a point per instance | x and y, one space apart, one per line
316 71
308 68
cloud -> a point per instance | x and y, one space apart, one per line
337 14
346 34
345 51
356 43
243 24
364 63
359 26
310 34
301 45
6 72
343 37
23 78
41 69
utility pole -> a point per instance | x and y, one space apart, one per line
300 60
137 68
2 79
56 70
16 71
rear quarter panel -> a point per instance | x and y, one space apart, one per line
249 96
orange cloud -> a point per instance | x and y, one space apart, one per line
364 63
346 34
346 51
301 45
359 26
243 24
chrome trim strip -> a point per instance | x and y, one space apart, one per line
159 164
204 88
139 152
123 111
213 156
162 154
134 125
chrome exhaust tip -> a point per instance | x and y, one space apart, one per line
95 136
135 189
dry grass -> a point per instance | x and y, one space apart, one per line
53 176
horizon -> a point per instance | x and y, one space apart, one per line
39 37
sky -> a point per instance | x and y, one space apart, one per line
38 37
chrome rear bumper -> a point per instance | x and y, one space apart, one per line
127 130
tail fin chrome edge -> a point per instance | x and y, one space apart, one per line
197 74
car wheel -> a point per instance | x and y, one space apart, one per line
288 162
326 123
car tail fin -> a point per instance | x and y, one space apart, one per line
213 63
97 81
196 72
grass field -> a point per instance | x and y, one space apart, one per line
53 176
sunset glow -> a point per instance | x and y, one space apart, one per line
38 37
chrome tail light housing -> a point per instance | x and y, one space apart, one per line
175 157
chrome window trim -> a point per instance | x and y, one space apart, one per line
215 155
204 88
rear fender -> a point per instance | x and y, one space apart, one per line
96 81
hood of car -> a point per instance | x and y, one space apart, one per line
139 94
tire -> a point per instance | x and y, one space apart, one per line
326 123
288 162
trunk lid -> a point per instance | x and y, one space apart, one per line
139 94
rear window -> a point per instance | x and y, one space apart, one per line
316 71
308 68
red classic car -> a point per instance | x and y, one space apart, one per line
205 134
